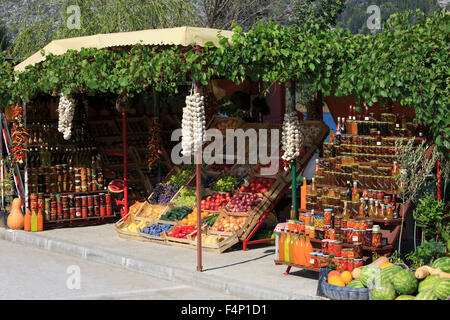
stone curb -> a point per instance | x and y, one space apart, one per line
155 269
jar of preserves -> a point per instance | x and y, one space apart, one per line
376 239
313 260
328 215
344 223
357 236
337 221
325 246
349 265
318 259
325 258
337 245
349 236
357 263
339 264
358 250
368 238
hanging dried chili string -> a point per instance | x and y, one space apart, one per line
154 145
19 135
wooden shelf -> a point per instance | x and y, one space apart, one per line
365 248
359 189
76 193
278 262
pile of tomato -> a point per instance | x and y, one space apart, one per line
258 185
216 201
181 232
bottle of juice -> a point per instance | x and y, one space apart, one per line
308 251
27 221
295 248
281 245
292 247
33 221
40 221
301 252
286 246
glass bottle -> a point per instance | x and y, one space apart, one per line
338 131
366 114
349 192
281 242
292 247
343 126
286 246
378 138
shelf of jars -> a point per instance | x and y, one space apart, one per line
351 208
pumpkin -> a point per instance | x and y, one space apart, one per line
15 219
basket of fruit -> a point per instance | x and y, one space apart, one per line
338 286
156 232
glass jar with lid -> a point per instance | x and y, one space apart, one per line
376 239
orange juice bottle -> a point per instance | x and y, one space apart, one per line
281 245
297 248
286 246
292 247
308 251
302 251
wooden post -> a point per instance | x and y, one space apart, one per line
198 162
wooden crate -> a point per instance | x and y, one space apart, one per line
230 239
140 214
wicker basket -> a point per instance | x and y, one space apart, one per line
332 292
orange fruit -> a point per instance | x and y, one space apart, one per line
346 276
333 273
336 281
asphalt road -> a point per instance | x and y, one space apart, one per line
29 273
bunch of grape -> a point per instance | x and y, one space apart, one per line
162 194
159 189
170 191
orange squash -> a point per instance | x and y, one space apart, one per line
15 219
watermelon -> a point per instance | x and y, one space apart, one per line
426 295
405 282
355 284
442 288
369 274
405 297
442 263
385 291
428 283
388 272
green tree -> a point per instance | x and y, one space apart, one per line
322 12
4 39
48 20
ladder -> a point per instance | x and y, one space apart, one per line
18 182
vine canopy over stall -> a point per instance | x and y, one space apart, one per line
404 62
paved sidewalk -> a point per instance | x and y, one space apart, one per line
251 273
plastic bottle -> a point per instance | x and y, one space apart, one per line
292 247
286 246
296 247
27 221
281 245
40 221
33 221
301 259
308 251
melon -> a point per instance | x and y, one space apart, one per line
385 291
442 263
405 297
116 186
442 288
388 272
405 282
429 283
426 295
356 284
369 274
